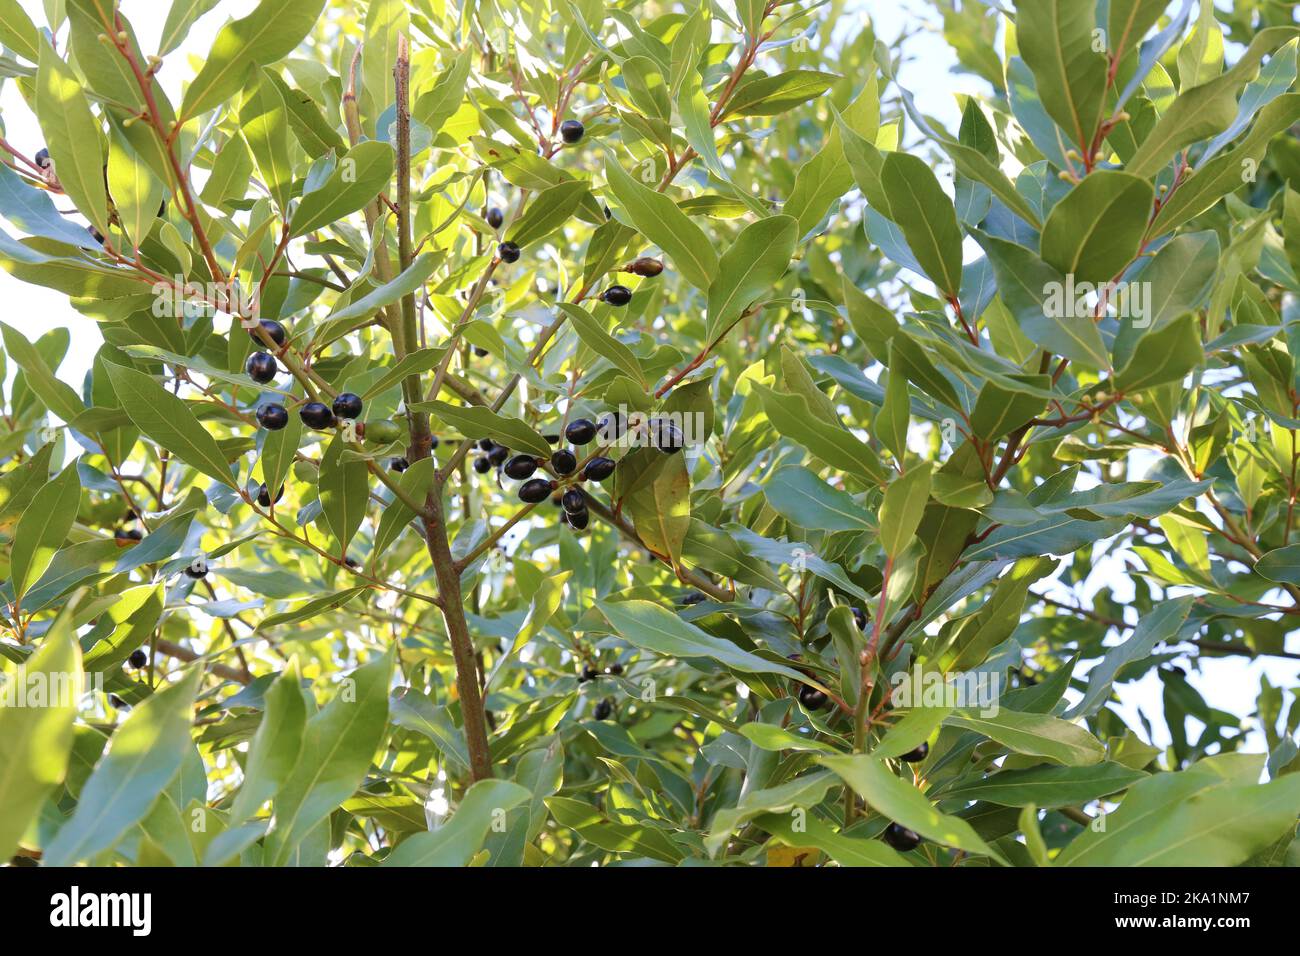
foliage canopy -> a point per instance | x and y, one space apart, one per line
1012 405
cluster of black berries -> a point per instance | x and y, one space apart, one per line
262 368
563 463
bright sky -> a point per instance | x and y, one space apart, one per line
1229 683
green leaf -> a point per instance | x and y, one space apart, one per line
1204 110
17 30
598 339
415 482
409 280
999 410
43 528
1038 735
793 418
847 851
1056 42
909 359
457 841
1128 21
72 135
337 748
264 124
344 492
475 421
902 803
653 628
657 218
309 609
901 511
771 95
694 108
550 210
360 176
137 192
1095 231
168 421
751 266
1048 787
1214 813
143 756
36 736
57 395
827 176
807 501
661 511
1035 294
806 791
1281 565
1223 174
272 31
1164 355
274 750
927 217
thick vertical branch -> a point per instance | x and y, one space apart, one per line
450 601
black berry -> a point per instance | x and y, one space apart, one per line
43 158
666 436
482 465
347 405
272 328
316 415
508 251
495 217
433 441
617 295
603 710
480 351
261 367
197 569
272 416
571 131
580 431
901 838
860 618
577 519
587 673
264 495
598 469
614 669
917 755
138 658
564 462
811 697
535 490
574 501
520 467
486 444
399 465
124 537
498 455
612 428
